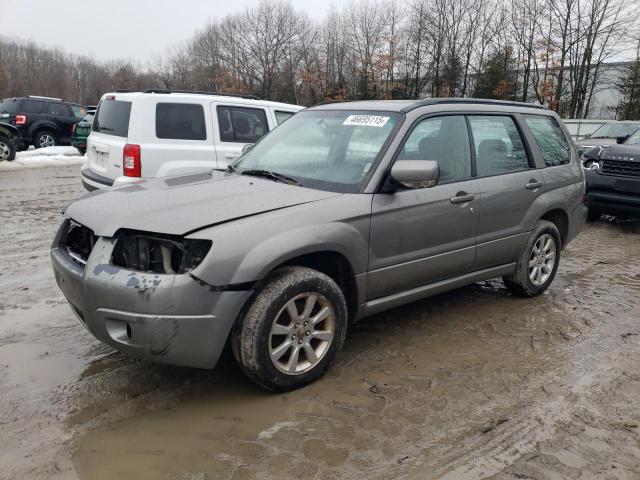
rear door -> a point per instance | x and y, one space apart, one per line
236 126
510 185
108 137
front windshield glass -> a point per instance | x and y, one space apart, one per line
327 150
614 130
634 139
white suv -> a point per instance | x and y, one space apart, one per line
160 133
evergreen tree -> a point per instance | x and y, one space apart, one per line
497 78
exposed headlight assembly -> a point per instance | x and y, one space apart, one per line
156 253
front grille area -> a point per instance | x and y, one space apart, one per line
620 167
78 242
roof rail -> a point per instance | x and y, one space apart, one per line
329 102
166 91
45 98
476 101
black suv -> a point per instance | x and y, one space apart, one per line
41 121
613 178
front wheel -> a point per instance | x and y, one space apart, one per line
292 330
538 262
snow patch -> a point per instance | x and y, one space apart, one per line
44 157
275 428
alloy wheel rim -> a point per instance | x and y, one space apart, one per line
47 141
4 151
542 259
301 333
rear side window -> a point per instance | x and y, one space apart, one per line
282 116
550 138
9 105
58 109
241 124
180 121
112 118
498 145
32 106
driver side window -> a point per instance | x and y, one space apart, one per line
443 139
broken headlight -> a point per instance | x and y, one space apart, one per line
147 252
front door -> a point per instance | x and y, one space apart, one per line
421 236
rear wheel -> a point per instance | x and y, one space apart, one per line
7 149
45 139
292 330
538 262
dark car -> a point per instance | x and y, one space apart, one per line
41 121
81 131
9 141
610 132
613 178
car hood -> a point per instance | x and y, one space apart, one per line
185 204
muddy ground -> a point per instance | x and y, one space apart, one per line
471 384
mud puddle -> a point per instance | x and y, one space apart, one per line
470 384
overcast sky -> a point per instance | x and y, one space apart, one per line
128 29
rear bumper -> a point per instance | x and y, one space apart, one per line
92 181
163 318
577 222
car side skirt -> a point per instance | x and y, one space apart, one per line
397 299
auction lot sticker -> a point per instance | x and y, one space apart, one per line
366 120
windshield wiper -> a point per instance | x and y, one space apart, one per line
278 177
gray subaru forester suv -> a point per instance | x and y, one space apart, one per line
344 210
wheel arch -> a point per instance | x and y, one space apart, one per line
560 219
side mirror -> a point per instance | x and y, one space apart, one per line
246 148
415 173
622 138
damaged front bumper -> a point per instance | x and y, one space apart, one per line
168 318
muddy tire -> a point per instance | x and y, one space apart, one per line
45 138
292 329
7 149
538 262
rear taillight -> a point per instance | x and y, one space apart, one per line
131 165
21 119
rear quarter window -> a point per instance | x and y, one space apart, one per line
112 118
550 138
180 121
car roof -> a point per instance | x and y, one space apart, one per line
239 99
405 106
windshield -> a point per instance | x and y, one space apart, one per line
327 150
614 130
634 139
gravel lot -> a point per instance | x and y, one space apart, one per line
467 385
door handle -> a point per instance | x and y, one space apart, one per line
533 184
231 156
462 197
